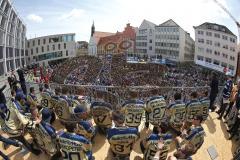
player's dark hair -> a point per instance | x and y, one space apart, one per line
46 86
13 92
57 91
70 127
31 89
64 90
154 92
133 94
199 117
194 94
40 89
177 96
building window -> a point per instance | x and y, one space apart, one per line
216 62
216 35
66 52
200 49
31 51
209 42
217 53
201 40
44 41
33 42
209 51
39 42
200 58
208 60
150 41
150 48
225 46
224 64
42 49
53 47
232 49
232 40
28 44
225 55
200 32
59 46
217 44
37 50
209 34
65 46
224 37
232 58
47 47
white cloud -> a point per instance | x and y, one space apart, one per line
35 18
73 14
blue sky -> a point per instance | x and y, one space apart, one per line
45 17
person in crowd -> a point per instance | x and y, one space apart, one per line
33 102
214 91
22 80
121 138
156 145
176 112
74 146
193 107
225 96
155 110
204 104
133 110
192 138
102 113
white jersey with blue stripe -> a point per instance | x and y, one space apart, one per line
121 139
101 112
133 111
75 147
177 112
196 137
152 146
193 108
156 107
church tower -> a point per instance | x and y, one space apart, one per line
92 29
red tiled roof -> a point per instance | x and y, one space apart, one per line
99 35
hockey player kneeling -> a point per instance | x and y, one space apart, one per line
156 143
121 138
74 146
44 134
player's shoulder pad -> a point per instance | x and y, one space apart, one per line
133 102
119 131
50 130
99 103
166 136
156 97
85 124
153 137
75 137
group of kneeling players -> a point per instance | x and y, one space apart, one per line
177 121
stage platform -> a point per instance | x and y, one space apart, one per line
216 136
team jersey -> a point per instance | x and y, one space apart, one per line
32 100
45 136
193 108
133 111
45 101
15 121
204 107
75 147
86 129
177 112
121 140
101 112
156 108
152 146
63 111
196 137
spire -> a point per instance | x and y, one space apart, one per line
93 29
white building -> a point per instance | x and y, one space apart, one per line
94 39
167 40
12 38
43 50
216 47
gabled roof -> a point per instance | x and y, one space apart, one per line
211 26
97 35
169 22
150 24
